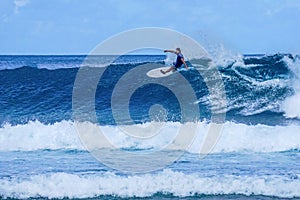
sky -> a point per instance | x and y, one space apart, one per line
77 26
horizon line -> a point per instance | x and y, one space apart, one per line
80 54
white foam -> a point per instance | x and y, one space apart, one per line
235 137
291 105
253 138
60 185
54 66
35 136
223 57
170 59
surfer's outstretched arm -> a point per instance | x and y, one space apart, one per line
170 51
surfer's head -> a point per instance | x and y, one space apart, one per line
178 50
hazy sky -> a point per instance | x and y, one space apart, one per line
77 26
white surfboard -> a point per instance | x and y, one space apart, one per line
156 73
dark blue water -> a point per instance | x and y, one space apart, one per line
29 93
257 156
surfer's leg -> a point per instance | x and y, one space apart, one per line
168 70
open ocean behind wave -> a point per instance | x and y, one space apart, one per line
256 157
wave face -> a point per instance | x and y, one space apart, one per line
260 89
257 155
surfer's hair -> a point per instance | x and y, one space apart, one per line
178 49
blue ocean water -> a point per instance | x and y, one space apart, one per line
256 157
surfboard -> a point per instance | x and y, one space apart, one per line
156 73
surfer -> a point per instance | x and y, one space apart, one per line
178 63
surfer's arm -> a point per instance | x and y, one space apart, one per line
170 51
182 59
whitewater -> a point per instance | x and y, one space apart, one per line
236 137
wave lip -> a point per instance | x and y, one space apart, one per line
62 185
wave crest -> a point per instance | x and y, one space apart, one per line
235 137
62 185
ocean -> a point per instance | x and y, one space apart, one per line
44 155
